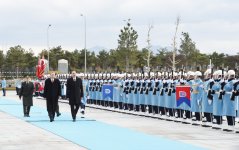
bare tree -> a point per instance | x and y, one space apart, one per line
172 60
148 47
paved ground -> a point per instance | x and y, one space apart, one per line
16 133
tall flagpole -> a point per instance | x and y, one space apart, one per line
48 47
85 42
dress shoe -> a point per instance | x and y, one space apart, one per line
58 114
74 120
82 113
51 119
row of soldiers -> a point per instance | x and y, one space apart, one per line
212 99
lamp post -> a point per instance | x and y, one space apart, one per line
48 47
85 40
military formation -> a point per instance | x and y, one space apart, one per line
214 96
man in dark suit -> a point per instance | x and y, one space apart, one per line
74 91
26 92
52 91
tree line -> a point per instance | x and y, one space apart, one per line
127 57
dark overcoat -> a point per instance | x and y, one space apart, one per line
52 91
74 90
26 92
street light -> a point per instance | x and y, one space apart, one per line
48 47
85 41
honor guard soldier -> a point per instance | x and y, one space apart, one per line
155 94
187 109
197 93
142 95
178 109
116 90
229 109
93 95
87 87
97 89
99 100
125 93
148 95
235 95
162 96
137 93
131 92
217 103
168 97
121 100
207 99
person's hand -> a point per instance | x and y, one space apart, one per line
209 102
198 101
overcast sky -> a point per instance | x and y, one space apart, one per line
212 24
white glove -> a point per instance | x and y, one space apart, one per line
209 102
127 95
198 102
176 114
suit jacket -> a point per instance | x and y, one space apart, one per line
26 92
74 90
52 91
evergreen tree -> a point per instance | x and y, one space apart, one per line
127 46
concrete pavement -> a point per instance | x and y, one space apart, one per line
15 133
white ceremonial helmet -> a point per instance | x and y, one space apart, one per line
140 74
225 73
170 74
219 72
214 73
165 73
80 74
198 73
190 73
231 73
152 74
146 74
208 71
185 74
124 74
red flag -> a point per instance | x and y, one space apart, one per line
183 95
40 68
